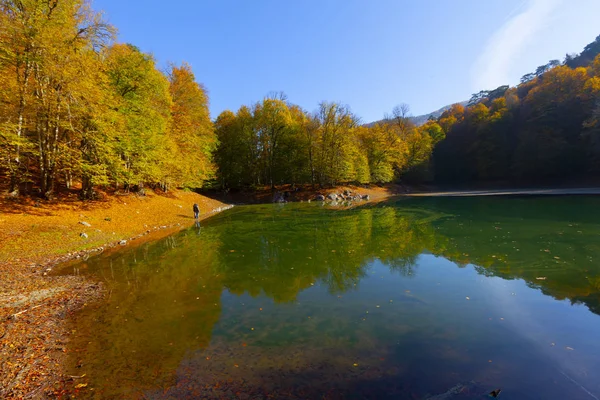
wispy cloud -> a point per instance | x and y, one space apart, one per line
522 27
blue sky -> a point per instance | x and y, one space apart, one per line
369 54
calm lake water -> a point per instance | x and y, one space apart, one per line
413 298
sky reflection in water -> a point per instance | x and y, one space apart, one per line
405 299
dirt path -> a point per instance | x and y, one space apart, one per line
34 305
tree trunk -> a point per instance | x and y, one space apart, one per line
41 148
15 171
48 147
312 166
68 179
87 190
13 186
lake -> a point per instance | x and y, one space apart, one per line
428 298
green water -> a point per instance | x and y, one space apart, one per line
413 298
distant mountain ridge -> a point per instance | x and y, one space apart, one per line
421 119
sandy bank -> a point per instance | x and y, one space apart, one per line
34 305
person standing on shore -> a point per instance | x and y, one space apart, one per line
196 211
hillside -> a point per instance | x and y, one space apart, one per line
421 119
545 129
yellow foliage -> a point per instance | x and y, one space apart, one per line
594 69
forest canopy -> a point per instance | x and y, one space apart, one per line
546 128
275 142
78 110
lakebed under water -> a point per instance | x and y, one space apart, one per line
412 298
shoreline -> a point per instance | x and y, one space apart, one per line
509 192
306 193
35 304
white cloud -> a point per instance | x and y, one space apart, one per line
493 67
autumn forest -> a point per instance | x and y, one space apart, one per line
80 111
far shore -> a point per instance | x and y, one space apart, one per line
378 193
508 192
